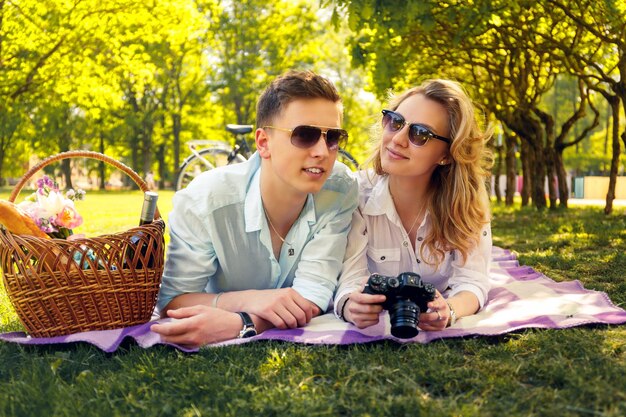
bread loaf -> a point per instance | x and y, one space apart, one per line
18 222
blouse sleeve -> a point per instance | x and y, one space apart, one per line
473 275
354 271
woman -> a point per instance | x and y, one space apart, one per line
423 208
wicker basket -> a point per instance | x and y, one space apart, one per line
58 287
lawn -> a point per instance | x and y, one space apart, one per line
574 372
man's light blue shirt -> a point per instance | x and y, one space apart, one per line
220 239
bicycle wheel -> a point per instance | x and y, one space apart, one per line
209 158
345 157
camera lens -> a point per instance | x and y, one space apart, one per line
404 318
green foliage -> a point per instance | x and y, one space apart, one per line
571 372
136 80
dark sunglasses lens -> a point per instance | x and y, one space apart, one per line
335 138
419 135
393 121
305 136
386 119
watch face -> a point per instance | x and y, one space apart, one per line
248 333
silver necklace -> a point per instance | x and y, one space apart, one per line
291 251
414 223
416 217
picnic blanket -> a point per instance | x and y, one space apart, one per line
520 298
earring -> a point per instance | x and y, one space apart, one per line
443 162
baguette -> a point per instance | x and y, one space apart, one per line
18 222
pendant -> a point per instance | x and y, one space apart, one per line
291 252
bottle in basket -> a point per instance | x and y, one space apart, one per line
147 216
149 207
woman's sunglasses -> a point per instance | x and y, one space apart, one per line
307 136
419 135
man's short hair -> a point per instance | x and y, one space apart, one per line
289 87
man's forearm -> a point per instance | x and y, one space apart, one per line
283 308
188 300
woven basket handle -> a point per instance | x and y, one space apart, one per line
81 154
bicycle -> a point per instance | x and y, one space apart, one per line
209 154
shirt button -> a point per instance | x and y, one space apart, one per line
405 243
418 261
382 258
420 238
485 233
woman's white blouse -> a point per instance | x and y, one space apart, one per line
378 243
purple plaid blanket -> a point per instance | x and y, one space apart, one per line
520 298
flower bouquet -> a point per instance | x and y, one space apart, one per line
53 212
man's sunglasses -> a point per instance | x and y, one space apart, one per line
419 135
307 136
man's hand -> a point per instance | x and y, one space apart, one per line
363 309
199 325
285 308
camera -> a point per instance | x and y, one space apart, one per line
407 296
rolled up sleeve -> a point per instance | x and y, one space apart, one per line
355 268
191 258
473 275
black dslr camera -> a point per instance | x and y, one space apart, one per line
407 296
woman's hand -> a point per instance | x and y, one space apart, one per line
363 309
437 316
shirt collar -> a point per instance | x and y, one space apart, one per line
380 203
253 206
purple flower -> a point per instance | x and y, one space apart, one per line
46 184
46 225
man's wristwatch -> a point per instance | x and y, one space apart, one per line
248 329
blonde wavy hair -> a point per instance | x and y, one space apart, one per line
457 198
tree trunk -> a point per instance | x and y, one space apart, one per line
134 154
539 176
66 168
552 176
160 154
497 172
527 173
176 128
529 128
1 166
548 156
511 169
610 195
146 144
101 164
561 175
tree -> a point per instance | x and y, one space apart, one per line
501 50
44 49
599 60
257 41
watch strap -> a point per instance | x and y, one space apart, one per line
248 329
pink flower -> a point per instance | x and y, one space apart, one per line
68 217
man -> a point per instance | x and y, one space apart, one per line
260 244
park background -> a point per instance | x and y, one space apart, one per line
136 80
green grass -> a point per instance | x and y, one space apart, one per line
573 372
